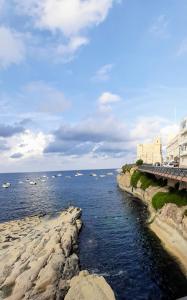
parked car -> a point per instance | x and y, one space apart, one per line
171 164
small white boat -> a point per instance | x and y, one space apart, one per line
6 185
59 175
32 183
20 182
43 180
109 173
44 176
78 174
53 176
102 176
93 174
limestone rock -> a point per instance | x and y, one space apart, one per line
36 256
89 287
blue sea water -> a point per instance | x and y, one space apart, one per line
114 242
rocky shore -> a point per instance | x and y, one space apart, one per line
38 260
168 223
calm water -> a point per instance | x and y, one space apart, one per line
114 242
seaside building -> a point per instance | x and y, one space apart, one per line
150 153
172 149
177 147
183 143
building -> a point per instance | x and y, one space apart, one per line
150 153
172 149
183 143
177 146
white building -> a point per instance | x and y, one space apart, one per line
150 153
177 146
183 143
172 149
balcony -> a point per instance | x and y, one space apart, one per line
183 153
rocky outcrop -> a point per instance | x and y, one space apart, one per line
37 256
169 223
89 287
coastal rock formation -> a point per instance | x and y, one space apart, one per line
89 287
37 258
168 223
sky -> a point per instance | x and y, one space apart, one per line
83 81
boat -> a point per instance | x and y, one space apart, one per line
102 176
109 173
32 182
78 174
93 174
59 175
43 180
53 176
6 185
20 182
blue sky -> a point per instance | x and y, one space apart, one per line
82 82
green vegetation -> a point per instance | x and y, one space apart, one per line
139 162
126 168
135 178
146 180
150 180
174 196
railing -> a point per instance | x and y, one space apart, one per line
173 173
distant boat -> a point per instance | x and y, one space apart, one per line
102 176
43 180
44 176
53 176
20 182
6 185
59 175
109 173
93 174
32 183
78 174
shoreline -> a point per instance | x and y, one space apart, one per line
38 260
171 239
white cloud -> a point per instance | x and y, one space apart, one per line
46 97
103 74
69 16
12 49
108 98
160 27
66 52
28 144
105 101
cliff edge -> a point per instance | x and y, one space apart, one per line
169 222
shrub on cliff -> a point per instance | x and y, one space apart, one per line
126 168
148 180
139 162
135 178
177 197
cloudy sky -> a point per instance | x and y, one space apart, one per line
82 82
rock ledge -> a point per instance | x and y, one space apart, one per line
37 258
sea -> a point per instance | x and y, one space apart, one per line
115 241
